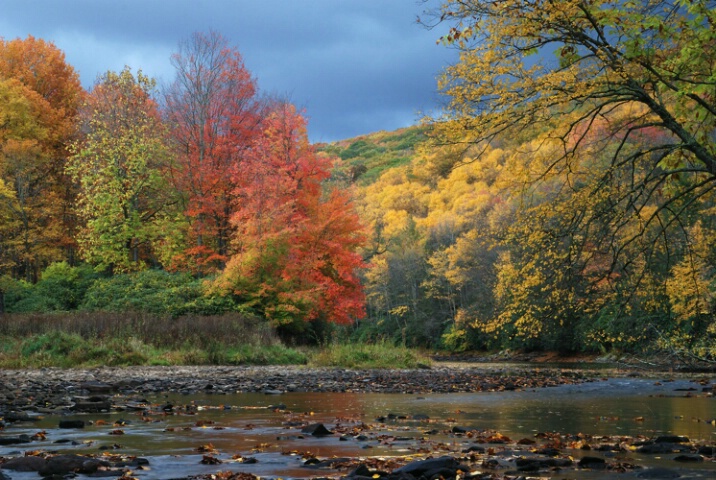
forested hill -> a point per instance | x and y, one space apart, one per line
481 245
364 158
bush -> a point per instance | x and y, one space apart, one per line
61 288
155 292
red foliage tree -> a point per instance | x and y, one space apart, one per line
213 112
296 256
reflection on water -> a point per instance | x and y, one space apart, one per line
242 425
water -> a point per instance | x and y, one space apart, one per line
243 426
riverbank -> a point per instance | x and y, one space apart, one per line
54 388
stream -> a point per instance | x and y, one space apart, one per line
261 434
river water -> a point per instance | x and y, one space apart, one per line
267 428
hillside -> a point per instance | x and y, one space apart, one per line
364 158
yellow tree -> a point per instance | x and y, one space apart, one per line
638 75
30 236
615 101
54 88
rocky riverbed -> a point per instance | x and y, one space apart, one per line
439 448
48 387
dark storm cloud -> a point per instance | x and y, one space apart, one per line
355 66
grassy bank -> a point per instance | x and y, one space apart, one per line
96 339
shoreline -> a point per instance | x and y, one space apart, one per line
50 388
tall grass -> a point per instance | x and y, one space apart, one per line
92 339
87 339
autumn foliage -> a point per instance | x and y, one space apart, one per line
296 244
564 201
207 178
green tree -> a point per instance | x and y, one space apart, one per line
120 169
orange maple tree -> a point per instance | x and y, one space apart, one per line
296 246
46 92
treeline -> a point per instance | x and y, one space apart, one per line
468 252
564 204
204 178
565 199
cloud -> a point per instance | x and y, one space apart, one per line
356 66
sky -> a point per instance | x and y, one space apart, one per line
354 66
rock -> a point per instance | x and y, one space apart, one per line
661 448
13 416
530 464
64 464
96 387
328 463
445 466
688 458
91 406
22 438
707 450
474 449
592 462
316 430
72 424
671 439
361 471
24 464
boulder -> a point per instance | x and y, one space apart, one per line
316 430
445 466
24 464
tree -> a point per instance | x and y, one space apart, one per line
618 99
213 113
296 246
622 71
28 233
121 169
34 160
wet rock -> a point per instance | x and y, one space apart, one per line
592 462
671 439
15 440
21 416
72 424
707 450
3 476
24 464
361 471
529 464
64 464
328 463
316 430
91 406
97 387
548 451
474 449
443 466
689 458
661 448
